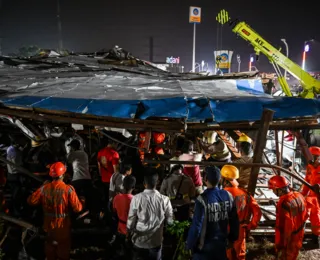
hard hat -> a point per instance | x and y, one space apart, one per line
314 150
230 172
277 182
57 169
244 138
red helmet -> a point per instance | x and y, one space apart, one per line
57 169
277 182
314 150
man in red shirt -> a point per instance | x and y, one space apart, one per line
121 206
108 162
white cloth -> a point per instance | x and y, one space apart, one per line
80 165
148 211
194 157
75 137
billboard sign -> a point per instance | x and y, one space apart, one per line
195 14
223 60
172 60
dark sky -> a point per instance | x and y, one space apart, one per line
90 25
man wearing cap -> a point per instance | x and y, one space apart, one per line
290 220
57 198
81 178
215 213
246 150
249 212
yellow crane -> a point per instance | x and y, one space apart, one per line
311 86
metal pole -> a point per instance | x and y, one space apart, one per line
287 53
59 26
253 165
194 48
304 60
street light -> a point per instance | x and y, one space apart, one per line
250 62
239 62
305 50
287 54
202 65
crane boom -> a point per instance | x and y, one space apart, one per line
310 85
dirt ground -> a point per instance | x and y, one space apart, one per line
263 249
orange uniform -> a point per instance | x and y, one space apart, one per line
312 177
291 217
158 138
249 214
57 198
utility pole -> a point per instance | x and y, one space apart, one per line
59 26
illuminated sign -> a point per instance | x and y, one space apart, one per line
195 14
223 60
171 60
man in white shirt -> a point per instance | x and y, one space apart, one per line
148 212
81 178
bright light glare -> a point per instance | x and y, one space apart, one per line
251 59
306 48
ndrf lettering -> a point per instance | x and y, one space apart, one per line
218 211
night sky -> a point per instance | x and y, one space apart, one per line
90 25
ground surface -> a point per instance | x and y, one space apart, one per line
259 249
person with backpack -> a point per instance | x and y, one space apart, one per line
181 190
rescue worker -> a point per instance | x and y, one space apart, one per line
246 150
157 140
215 213
57 198
180 190
290 220
217 151
249 212
313 177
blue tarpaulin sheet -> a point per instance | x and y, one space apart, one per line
123 95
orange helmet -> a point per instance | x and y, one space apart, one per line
314 150
57 169
277 182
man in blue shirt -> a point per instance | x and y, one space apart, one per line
215 211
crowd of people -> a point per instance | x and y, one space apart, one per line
216 201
